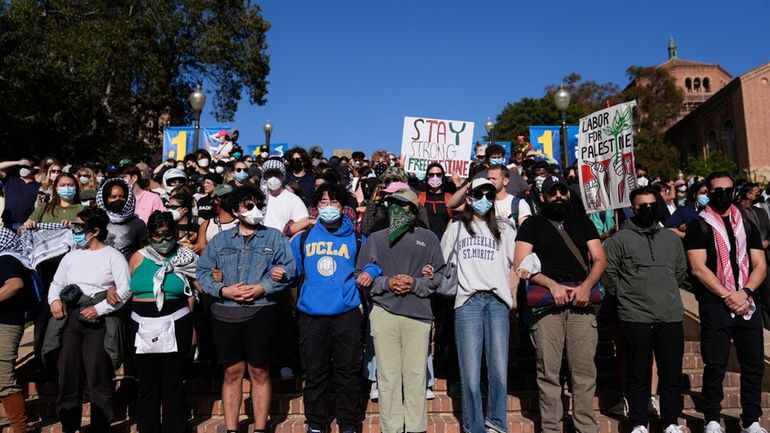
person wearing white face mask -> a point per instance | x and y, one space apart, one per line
20 191
255 261
282 205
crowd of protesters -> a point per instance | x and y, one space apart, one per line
354 267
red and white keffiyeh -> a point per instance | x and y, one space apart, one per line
723 246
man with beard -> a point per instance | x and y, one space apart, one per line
727 264
646 265
244 315
563 241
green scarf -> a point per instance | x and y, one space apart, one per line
401 221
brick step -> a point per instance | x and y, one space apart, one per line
290 405
437 423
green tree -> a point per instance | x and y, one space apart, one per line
716 161
88 79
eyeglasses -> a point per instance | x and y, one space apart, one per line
156 236
435 175
55 171
490 195
238 170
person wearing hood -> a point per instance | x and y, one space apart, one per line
172 178
646 266
15 288
127 232
330 317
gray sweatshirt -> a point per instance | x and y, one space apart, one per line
408 256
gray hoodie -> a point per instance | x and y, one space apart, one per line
408 256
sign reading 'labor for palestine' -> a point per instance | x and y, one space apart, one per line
427 140
605 156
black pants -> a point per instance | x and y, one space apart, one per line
331 343
46 270
666 342
717 330
161 375
83 358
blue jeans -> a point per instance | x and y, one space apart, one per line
483 320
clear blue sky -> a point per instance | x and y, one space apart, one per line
344 73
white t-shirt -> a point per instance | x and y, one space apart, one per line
503 208
94 271
283 208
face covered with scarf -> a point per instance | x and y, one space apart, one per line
117 199
401 214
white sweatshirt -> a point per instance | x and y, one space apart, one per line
484 263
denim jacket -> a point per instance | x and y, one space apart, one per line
247 260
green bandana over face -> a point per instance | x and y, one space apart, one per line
401 221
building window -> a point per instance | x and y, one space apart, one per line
712 143
688 84
696 85
706 85
728 139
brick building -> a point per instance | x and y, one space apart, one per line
722 113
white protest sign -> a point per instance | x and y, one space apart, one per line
605 156
427 140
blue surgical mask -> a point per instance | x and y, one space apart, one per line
703 200
79 239
241 176
497 161
482 206
66 192
329 214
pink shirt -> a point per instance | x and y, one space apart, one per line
146 203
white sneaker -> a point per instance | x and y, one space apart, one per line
753 428
639 429
713 427
374 393
287 373
429 395
653 407
673 428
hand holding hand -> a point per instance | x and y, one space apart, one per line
217 275
364 279
89 313
277 273
112 296
57 310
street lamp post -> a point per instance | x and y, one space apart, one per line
490 127
561 98
268 130
197 101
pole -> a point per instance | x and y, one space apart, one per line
563 136
196 136
267 141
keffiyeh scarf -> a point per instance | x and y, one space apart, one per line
10 245
128 208
723 247
46 241
182 265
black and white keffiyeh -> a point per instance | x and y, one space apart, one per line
46 241
10 245
128 208
182 265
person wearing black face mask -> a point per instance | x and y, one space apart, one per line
299 171
728 265
649 308
127 232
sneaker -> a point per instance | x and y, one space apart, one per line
673 428
374 393
429 395
287 373
753 428
620 408
713 427
653 407
639 429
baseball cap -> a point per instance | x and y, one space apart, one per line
395 186
478 183
552 181
404 196
221 190
222 133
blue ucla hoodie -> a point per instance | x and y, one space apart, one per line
328 265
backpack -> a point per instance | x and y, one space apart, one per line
514 215
423 199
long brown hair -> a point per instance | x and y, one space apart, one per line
56 199
467 215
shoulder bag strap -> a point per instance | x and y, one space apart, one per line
570 243
457 238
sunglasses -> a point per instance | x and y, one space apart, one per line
645 206
726 191
238 170
490 195
168 236
173 207
561 189
77 228
435 175
55 171
249 206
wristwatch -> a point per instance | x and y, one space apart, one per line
747 291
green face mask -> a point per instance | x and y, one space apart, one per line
164 247
400 222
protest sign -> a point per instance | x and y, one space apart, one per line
605 157
427 140
178 140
